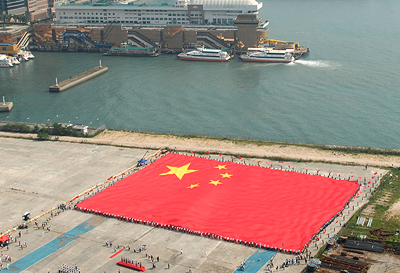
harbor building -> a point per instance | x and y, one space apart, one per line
246 32
168 26
183 12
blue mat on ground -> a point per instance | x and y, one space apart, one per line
256 261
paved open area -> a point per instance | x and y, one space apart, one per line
36 176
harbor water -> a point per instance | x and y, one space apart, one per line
346 92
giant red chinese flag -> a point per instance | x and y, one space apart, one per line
269 207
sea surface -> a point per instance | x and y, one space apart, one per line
346 92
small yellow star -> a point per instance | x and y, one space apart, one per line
193 186
179 171
219 167
215 183
226 175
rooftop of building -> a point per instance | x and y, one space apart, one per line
162 3
13 28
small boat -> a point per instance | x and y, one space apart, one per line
204 54
268 56
23 56
14 60
29 55
5 61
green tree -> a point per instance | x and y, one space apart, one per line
43 134
16 128
8 18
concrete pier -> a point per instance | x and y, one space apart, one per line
84 76
6 106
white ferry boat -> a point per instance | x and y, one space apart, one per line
268 56
204 54
5 61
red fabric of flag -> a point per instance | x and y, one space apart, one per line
248 203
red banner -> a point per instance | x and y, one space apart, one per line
271 208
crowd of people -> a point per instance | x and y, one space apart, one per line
151 258
4 258
305 255
187 230
67 269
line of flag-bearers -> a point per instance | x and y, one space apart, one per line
125 262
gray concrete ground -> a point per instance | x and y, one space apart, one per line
36 176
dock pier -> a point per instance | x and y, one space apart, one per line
6 106
74 80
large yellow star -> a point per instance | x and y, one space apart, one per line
226 175
193 186
219 167
215 183
179 171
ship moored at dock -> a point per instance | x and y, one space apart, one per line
132 51
204 54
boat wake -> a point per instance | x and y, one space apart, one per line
322 64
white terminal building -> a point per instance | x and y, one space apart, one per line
143 12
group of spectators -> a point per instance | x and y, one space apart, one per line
67 269
185 230
4 258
